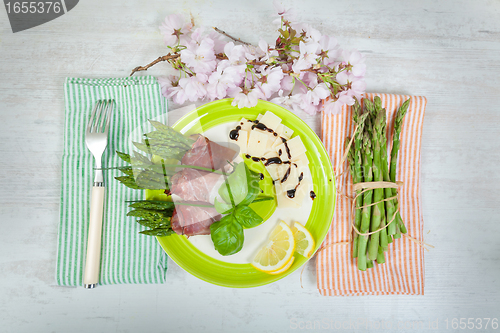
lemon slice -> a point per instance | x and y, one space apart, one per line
304 241
276 254
284 269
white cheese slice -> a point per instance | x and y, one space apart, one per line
273 171
242 141
284 131
257 143
295 147
271 168
282 152
246 125
270 120
301 160
292 179
301 192
277 171
270 139
259 117
278 141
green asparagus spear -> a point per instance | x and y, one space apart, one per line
389 205
367 155
355 179
173 134
154 215
378 121
380 255
384 166
355 163
153 204
398 123
123 156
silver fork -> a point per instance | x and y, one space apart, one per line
96 139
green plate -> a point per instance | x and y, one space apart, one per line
232 275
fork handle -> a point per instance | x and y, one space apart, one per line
93 261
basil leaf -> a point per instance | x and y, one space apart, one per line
227 235
253 188
222 207
235 189
247 217
241 187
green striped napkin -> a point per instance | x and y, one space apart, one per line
126 256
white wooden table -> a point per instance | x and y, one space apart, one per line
448 51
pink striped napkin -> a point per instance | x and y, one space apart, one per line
403 271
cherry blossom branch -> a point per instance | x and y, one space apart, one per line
167 57
302 69
231 37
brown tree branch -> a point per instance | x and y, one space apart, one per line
231 37
160 59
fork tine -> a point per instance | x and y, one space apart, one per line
92 117
108 114
102 117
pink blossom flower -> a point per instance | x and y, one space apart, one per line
289 101
219 41
286 14
332 107
165 84
247 98
310 79
287 83
235 73
318 93
357 84
222 84
307 56
195 38
269 81
358 87
269 53
195 87
200 58
356 60
174 29
235 54
251 52
308 107
311 34
345 97
329 50
342 78
170 88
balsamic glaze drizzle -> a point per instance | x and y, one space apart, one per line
291 193
234 134
287 173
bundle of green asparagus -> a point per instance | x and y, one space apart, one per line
368 162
